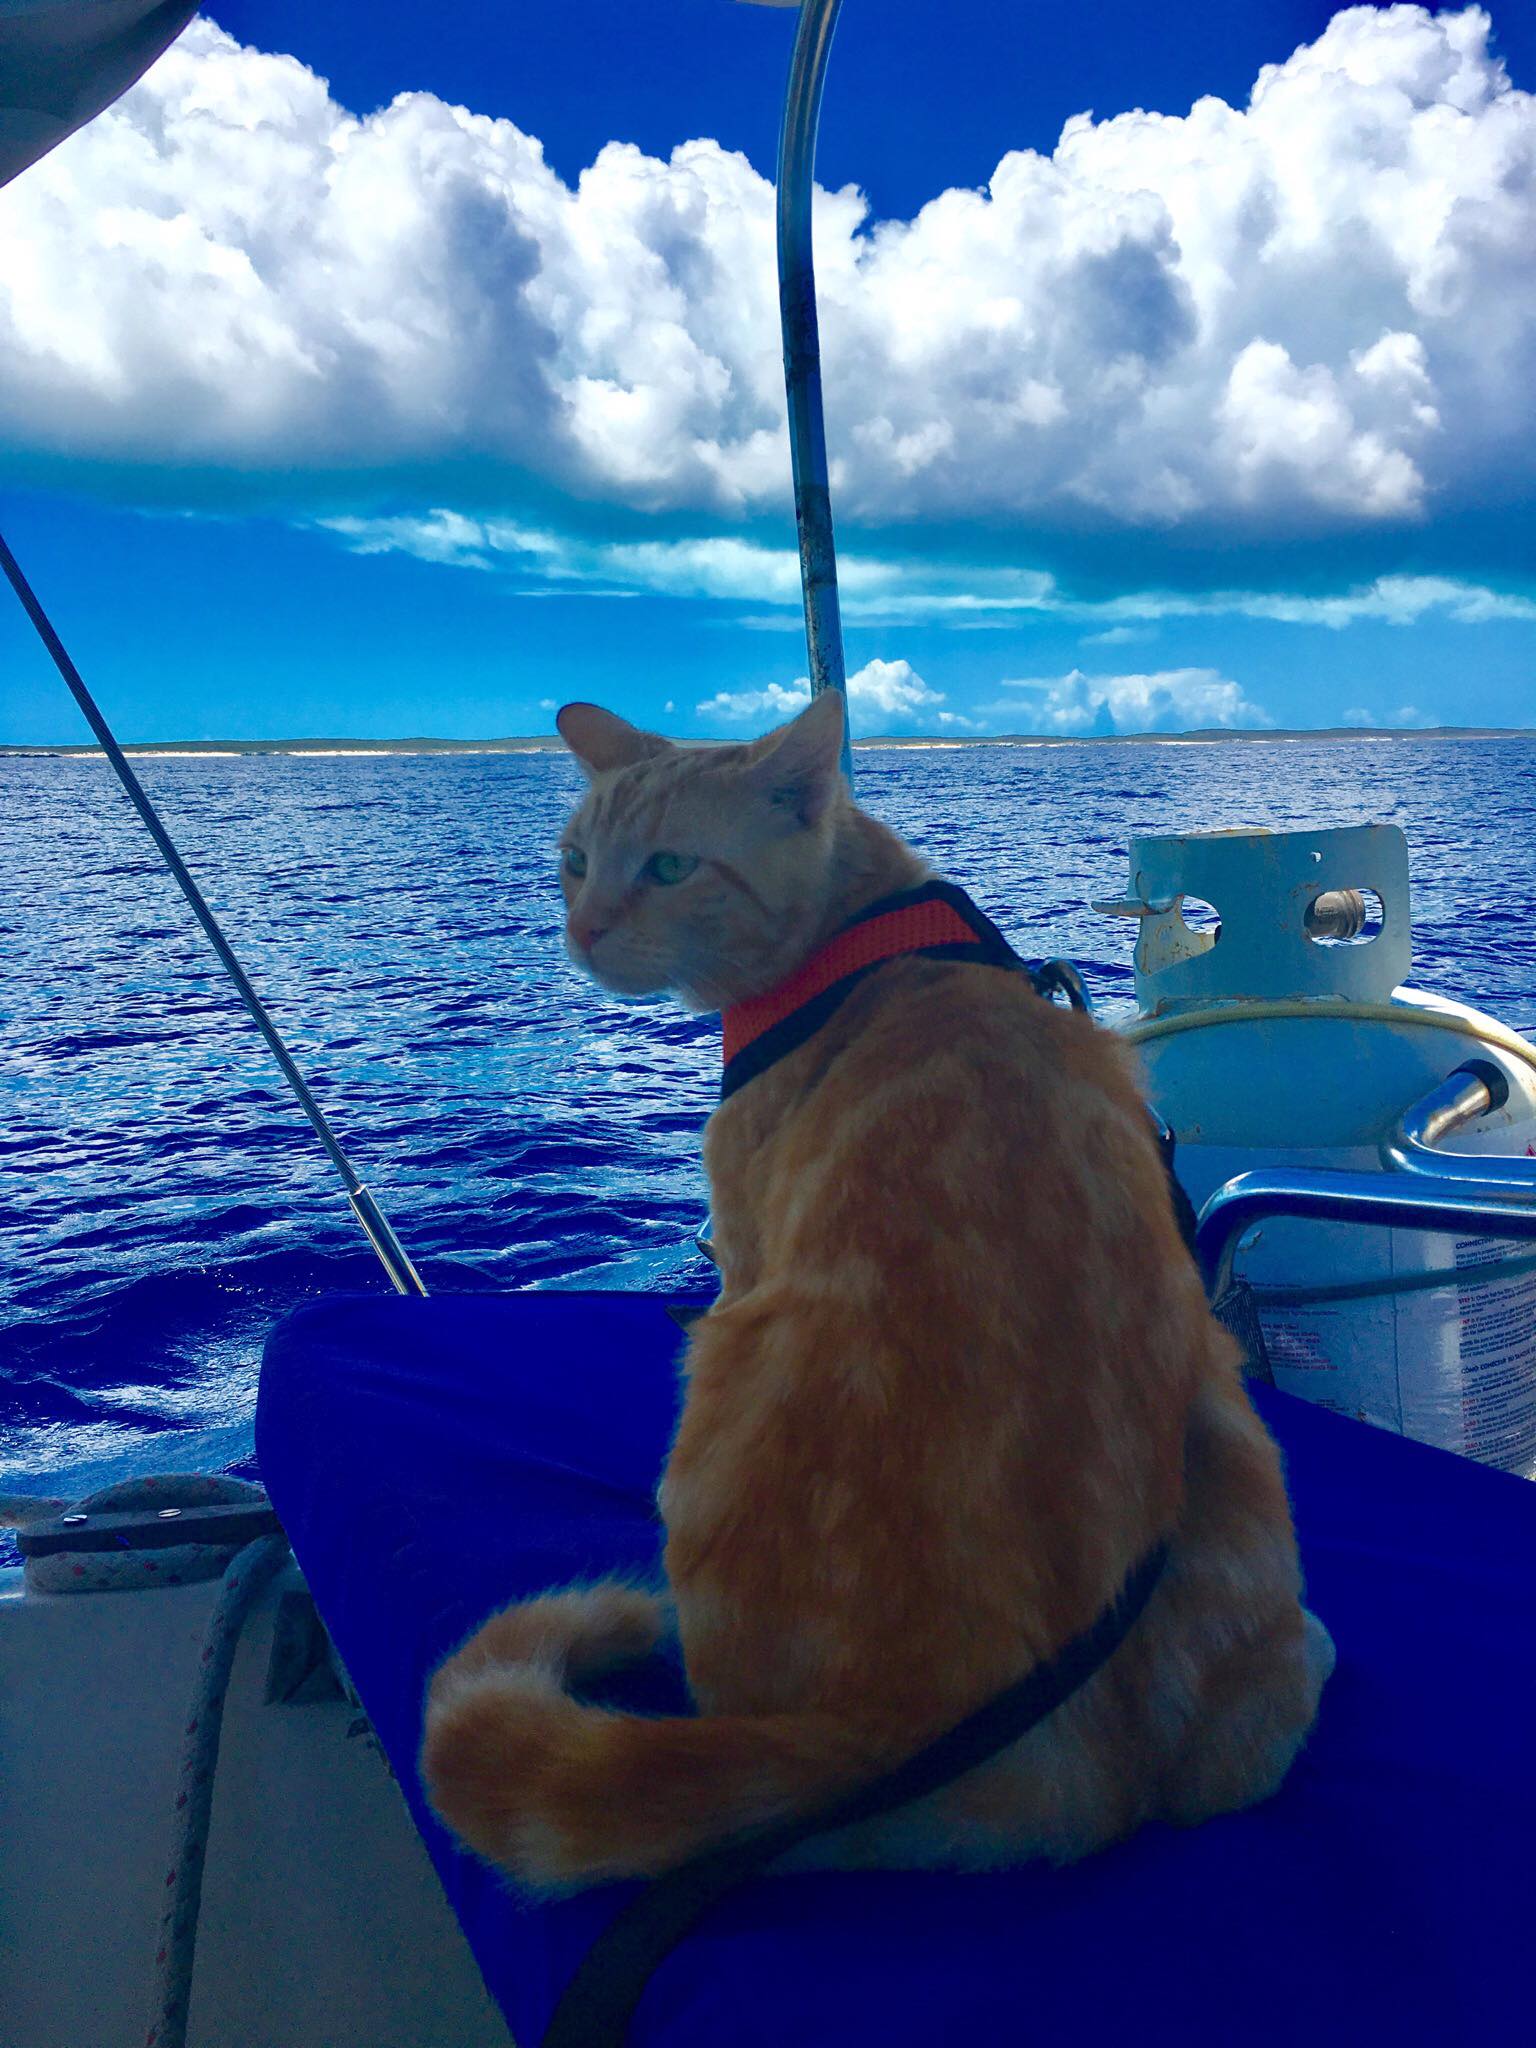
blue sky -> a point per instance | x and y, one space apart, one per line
327 416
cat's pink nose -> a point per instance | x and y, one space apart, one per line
585 934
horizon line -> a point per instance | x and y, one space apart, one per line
550 742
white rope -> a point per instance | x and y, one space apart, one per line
245 1570
20 1510
245 1578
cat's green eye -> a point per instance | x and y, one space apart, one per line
668 868
575 861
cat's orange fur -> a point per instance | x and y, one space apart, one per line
960 1376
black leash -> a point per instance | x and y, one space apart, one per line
599 2002
597 2005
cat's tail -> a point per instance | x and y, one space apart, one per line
563 1793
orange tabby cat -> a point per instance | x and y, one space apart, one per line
960 1377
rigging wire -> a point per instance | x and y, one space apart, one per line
390 1252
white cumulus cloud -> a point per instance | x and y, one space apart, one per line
1312 312
1170 700
1120 636
890 589
879 690
773 702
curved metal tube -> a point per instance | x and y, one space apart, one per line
802 354
1407 1201
1460 1098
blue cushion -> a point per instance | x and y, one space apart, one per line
433 1460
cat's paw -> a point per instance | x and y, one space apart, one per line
578 1634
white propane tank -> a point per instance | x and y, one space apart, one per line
1282 1036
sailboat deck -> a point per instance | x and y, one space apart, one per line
434 1459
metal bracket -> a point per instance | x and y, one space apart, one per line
1060 977
1134 906
301 1670
150 1529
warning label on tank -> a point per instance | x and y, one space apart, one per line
1498 1357
1342 1355
1466 1353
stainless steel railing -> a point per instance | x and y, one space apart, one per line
1422 1188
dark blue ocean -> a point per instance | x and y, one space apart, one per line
161 1200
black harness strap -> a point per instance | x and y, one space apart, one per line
600 1999
1183 1208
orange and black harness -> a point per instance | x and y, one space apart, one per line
935 921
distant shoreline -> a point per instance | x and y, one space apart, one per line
541 743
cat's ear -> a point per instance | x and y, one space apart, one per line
601 740
798 768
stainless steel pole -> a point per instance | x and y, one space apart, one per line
802 354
